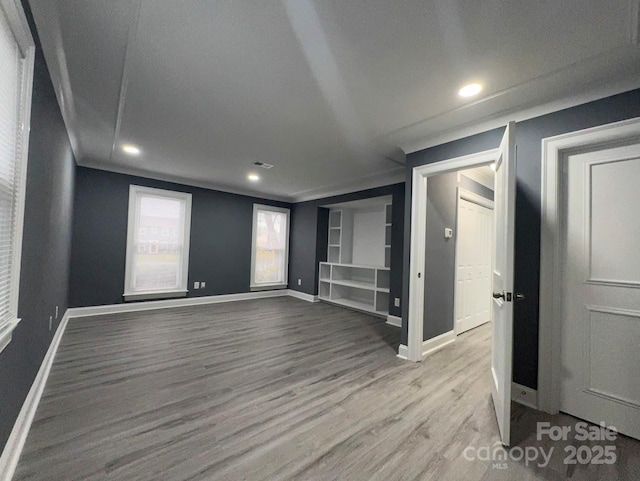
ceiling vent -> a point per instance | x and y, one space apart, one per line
264 165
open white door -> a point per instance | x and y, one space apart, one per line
503 297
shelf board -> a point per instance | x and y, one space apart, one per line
360 285
324 280
335 228
361 306
381 268
334 245
387 247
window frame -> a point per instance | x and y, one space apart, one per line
253 286
19 26
182 290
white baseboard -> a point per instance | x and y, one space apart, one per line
524 395
403 352
436 343
302 295
183 302
394 321
18 436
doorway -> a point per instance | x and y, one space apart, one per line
590 282
503 296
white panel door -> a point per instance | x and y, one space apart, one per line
473 265
600 340
502 313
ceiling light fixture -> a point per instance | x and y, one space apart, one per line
130 149
470 90
253 177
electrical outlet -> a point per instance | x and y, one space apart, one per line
196 285
299 282
396 302
50 321
203 285
56 312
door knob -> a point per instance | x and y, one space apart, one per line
498 295
520 297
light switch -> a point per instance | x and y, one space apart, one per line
203 284
196 285
448 232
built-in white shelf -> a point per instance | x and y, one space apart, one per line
357 271
365 288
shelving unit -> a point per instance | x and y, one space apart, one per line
357 271
358 287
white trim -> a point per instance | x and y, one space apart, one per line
303 295
524 395
394 321
554 154
372 181
169 303
418 238
403 352
475 198
6 330
269 208
134 192
479 177
142 296
18 436
430 346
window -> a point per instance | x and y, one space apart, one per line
152 270
270 247
16 74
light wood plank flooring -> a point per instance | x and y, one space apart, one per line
275 389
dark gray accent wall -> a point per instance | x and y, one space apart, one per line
308 245
219 252
529 135
46 245
440 256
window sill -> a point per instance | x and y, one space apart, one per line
6 331
267 287
147 296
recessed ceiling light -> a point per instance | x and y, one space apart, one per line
130 149
253 177
470 90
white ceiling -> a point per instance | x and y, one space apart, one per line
331 92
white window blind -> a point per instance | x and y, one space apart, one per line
270 247
158 243
13 143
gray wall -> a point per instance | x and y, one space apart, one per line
308 245
440 265
45 247
529 135
219 253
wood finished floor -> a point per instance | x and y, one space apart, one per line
275 389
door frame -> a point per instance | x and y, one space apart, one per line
469 196
420 174
555 152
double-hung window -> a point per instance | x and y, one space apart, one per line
16 77
270 247
157 218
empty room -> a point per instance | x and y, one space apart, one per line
319 240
